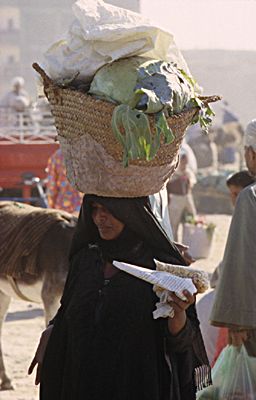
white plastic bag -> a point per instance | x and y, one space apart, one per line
198 239
233 375
102 33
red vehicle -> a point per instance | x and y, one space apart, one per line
26 142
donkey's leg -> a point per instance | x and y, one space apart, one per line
50 297
5 380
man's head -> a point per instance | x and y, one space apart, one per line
17 84
237 182
250 147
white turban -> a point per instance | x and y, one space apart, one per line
18 80
250 135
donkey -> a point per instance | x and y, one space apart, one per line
46 285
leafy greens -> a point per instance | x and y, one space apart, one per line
143 86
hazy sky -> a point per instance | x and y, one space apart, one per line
197 24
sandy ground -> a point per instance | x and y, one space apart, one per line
25 321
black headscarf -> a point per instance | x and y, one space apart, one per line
141 229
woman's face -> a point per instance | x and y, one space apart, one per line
108 226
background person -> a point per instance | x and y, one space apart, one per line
60 194
103 342
234 305
237 182
18 98
179 189
215 339
159 206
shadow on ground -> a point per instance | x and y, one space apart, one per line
27 314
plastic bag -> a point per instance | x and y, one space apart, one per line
233 376
199 239
102 33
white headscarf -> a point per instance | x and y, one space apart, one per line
18 80
250 135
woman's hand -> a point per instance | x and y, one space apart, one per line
39 356
179 306
237 337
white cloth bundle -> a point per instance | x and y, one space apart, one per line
102 33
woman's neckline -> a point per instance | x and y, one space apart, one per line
109 270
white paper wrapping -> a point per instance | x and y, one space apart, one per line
163 280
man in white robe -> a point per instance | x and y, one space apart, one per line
17 99
235 306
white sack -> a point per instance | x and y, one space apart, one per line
102 33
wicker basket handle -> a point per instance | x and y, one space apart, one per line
210 99
46 79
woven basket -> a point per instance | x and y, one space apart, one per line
82 120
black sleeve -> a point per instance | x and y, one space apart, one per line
182 341
189 338
69 284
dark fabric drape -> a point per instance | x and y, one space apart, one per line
105 343
137 216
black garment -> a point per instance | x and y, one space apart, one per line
105 343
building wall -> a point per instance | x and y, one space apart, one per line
27 28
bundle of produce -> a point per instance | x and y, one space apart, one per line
121 128
143 87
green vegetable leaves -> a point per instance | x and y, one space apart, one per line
163 127
205 114
142 86
132 129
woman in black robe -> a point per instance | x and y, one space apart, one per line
104 344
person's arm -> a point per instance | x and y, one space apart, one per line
180 334
39 355
45 336
184 250
186 342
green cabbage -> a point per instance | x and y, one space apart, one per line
141 86
116 81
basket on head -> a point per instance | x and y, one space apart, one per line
92 154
